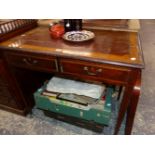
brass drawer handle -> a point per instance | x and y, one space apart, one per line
91 73
30 61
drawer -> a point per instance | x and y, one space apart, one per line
36 62
93 70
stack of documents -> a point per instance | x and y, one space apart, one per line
74 91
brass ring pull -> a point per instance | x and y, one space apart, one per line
91 73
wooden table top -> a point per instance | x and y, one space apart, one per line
112 47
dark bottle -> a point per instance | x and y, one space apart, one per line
72 24
78 24
68 25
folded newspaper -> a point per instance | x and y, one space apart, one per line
61 85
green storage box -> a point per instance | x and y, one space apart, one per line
99 115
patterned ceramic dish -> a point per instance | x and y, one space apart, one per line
78 36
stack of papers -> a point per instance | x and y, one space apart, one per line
67 86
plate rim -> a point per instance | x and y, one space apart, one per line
70 32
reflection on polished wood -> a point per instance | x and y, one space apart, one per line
112 47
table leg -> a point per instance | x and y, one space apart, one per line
132 106
123 107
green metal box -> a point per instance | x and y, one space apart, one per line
99 115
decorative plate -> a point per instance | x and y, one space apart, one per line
78 36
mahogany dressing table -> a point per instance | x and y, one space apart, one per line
113 57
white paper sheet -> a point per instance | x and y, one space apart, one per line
62 85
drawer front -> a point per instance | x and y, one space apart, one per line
33 62
94 70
